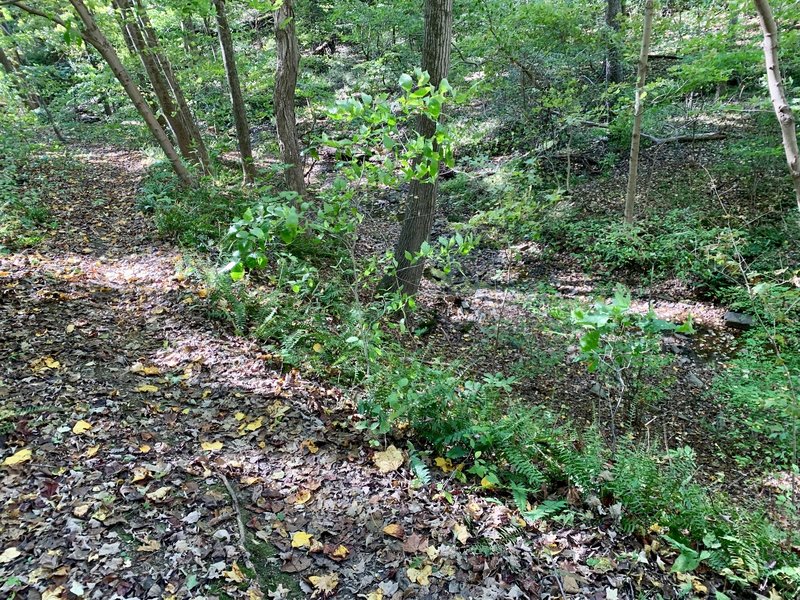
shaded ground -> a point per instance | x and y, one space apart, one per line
140 443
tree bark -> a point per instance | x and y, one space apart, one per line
778 94
288 63
91 34
636 135
614 70
421 203
235 89
134 36
185 115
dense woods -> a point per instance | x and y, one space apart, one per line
434 299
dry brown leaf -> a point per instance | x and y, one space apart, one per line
302 497
415 543
395 530
149 546
235 575
389 460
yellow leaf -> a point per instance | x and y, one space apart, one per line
340 552
160 494
81 510
142 370
487 484
55 594
302 497
146 388
144 448
70 328
317 347
376 595
301 539
445 464
18 457
149 546
394 530
461 533
239 416
212 446
325 583
235 574
202 293
310 446
9 554
252 426
81 427
420 576
90 452
390 459
140 474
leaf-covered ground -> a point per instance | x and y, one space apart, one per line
148 453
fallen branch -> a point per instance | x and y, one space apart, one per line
688 137
239 520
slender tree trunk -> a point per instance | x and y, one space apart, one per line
187 119
92 35
235 89
421 203
288 63
778 94
614 70
17 80
135 36
638 110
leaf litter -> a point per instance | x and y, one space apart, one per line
129 407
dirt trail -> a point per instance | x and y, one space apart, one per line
143 418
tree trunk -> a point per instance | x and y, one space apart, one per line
235 89
778 94
636 136
92 35
187 119
614 70
136 39
421 203
288 63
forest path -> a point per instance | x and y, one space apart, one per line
130 420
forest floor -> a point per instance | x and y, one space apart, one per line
155 455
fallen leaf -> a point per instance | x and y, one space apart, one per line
144 448
310 446
420 576
81 510
461 533
339 552
91 451
54 594
211 446
376 595
390 459
445 464
140 369
253 425
325 583
301 539
70 328
317 347
149 546
395 530
415 543
20 456
302 497
239 416
9 554
235 574
81 427
571 585
146 388
160 494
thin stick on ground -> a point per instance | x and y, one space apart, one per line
239 520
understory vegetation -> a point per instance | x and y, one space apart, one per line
580 368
